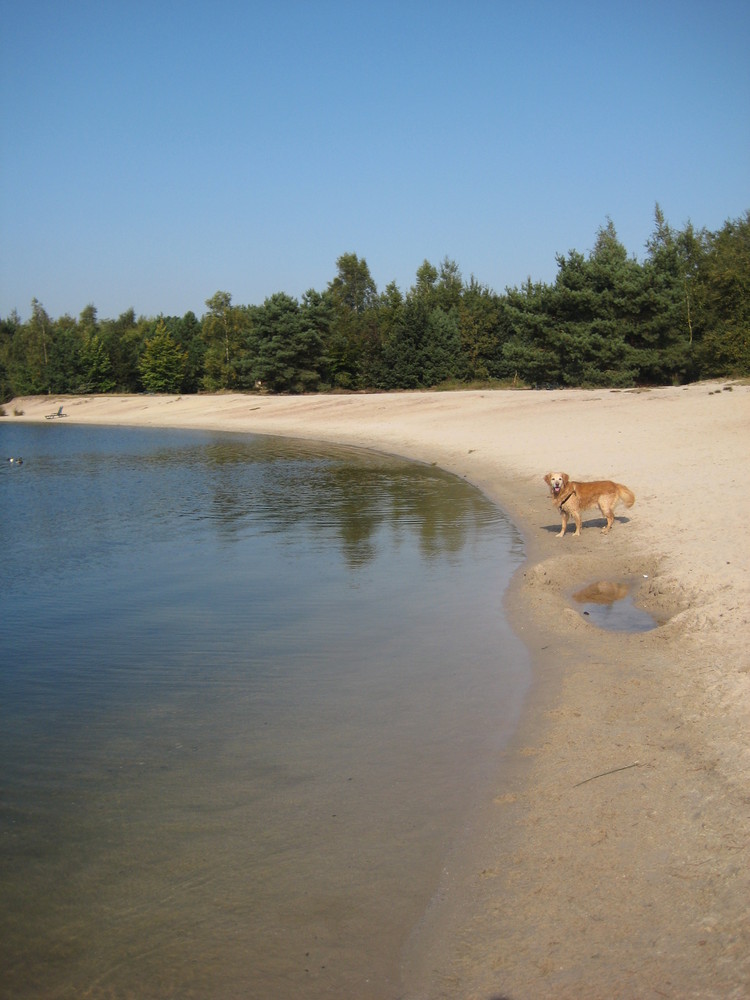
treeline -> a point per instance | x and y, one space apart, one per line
680 314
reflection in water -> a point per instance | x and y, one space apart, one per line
357 499
610 606
231 483
250 690
602 592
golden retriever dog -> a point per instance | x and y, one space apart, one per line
571 498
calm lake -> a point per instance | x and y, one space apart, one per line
250 690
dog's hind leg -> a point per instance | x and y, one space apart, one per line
609 513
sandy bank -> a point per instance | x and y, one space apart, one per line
637 883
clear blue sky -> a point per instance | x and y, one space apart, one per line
153 153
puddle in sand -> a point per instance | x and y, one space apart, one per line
610 605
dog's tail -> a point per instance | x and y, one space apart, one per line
627 496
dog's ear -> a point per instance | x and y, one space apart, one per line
547 479
566 478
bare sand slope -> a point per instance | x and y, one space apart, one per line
637 883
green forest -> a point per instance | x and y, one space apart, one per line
680 314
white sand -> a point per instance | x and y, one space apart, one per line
635 884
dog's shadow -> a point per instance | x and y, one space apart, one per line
592 522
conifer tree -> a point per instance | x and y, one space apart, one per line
162 364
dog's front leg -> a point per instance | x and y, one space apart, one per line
564 518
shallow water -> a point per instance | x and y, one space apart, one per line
250 689
610 605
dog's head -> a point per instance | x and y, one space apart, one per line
557 481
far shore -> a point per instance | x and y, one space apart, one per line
614 859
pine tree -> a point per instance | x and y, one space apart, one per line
162 364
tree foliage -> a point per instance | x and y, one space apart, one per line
162 364
608 319
284 346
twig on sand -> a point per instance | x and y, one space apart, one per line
603 773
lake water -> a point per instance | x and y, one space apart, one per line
250 689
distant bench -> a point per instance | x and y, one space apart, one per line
51 416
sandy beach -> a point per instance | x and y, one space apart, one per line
614 859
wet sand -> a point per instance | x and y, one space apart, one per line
574 882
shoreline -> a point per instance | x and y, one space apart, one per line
636 883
